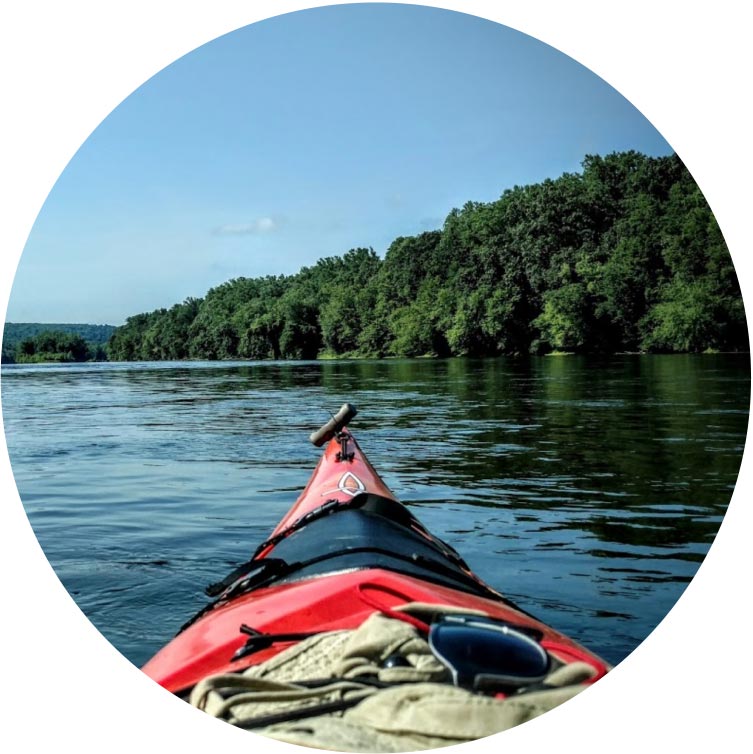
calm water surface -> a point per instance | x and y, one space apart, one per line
587 490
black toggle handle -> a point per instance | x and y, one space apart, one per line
334 425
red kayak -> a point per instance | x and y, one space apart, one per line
345 550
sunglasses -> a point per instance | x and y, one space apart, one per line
484 654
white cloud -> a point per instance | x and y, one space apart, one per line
256 227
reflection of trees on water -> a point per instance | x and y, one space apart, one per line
655 439
639 451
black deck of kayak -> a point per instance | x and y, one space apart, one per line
358 539
372 533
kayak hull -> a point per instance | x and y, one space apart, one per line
355 550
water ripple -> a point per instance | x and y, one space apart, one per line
589 492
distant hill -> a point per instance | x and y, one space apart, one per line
15 332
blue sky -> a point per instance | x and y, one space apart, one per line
301 137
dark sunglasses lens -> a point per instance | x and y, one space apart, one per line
481 654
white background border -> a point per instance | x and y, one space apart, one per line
66 65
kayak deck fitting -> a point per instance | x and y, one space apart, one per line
347 551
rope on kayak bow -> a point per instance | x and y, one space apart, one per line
329 506
235 583
264 566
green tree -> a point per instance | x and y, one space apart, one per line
624 255
51 345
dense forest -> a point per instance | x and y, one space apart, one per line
52 345
24 340
623 256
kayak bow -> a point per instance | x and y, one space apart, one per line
346 549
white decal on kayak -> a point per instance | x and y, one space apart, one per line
350 484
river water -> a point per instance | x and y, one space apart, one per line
588 490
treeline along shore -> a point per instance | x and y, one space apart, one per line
624 256
34 342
